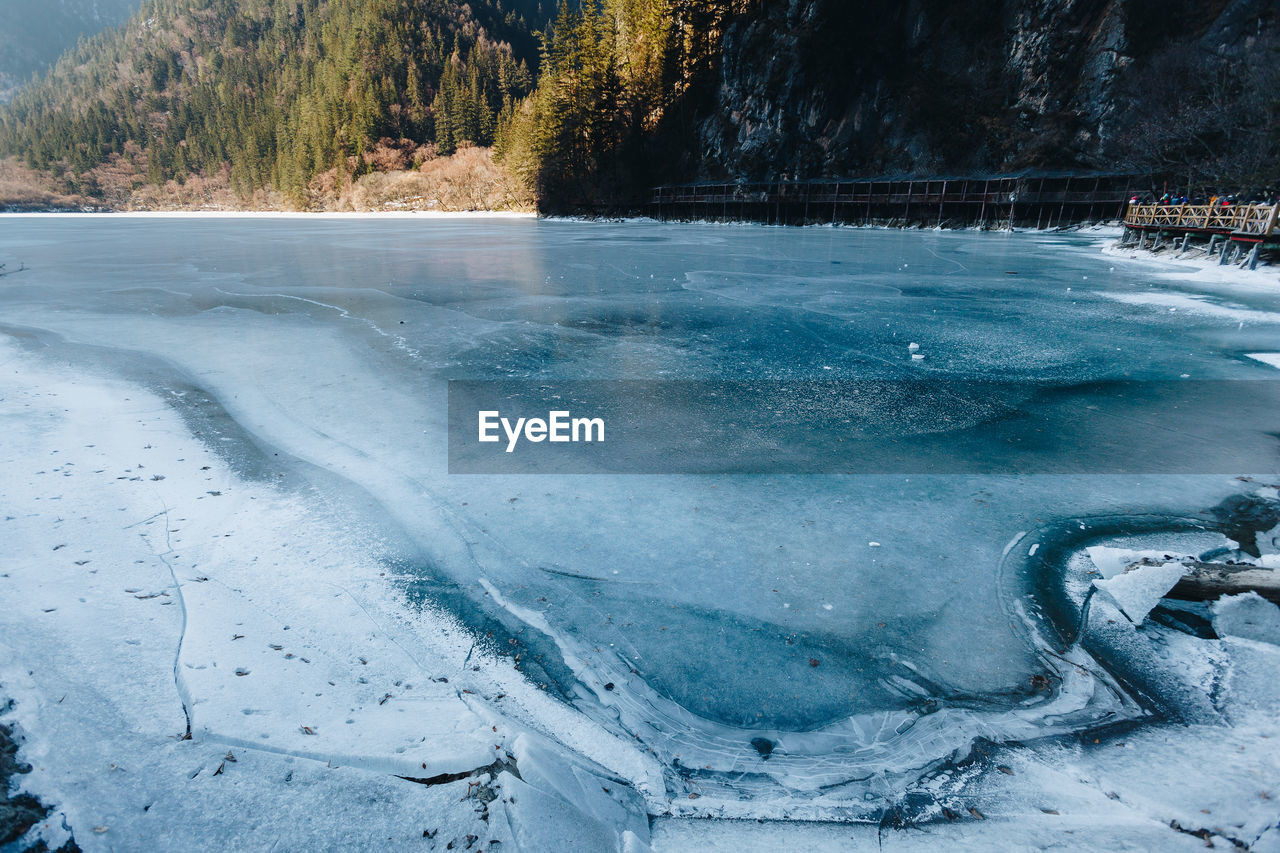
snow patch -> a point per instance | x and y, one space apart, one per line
1248 616
1193 303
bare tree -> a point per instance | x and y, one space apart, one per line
1206 119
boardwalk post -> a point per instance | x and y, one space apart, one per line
982 217
1253 256
941 198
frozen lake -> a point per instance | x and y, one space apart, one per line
767 634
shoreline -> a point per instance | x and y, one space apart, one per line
1193 265
272 214
19 811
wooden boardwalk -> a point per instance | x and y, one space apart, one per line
1233 230
1033 201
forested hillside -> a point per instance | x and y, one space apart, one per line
282 94
622 82
589 103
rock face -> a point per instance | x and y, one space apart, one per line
831 87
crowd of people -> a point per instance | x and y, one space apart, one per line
1226 200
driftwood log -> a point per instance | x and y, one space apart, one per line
1203 581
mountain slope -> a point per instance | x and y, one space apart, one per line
277 94
34 33
300 97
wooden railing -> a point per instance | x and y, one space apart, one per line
1260 220
1255 220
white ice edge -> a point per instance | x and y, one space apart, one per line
1188 269
1269 358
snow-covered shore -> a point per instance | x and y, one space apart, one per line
1193 265
148 594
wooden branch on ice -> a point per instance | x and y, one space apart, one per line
1203 581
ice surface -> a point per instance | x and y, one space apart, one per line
313 355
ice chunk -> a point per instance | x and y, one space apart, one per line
1271 358
1137 591
1112 561
1248 616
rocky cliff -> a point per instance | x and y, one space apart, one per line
811 88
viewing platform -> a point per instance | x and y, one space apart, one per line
1234 231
